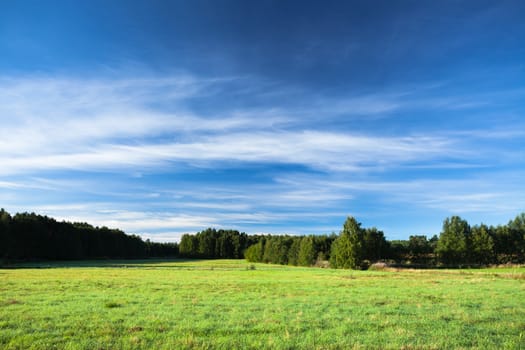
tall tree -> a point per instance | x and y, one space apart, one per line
207 240
482 244
293 252
32 236
375 246
188 246
5 220
254 253
517 232
306 256
347 249
454 241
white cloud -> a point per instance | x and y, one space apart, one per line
136 127
10 185
320 150
494 193
60 123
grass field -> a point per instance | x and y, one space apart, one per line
226 304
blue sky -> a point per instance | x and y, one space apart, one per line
165 117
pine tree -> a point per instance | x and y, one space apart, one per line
347 249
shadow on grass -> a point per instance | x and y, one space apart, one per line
105 263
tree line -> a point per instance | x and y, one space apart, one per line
215 244
458 244
291 250
354 247
28 236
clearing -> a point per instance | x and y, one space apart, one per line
231 304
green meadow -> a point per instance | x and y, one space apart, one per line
231 304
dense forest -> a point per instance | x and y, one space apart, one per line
27 236
34 237
458 244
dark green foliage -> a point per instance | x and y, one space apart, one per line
420 249
399 250
347 250
307 254
454 241
293 252
418 246
27 236
375 246
254 253
504 245
433 242
164 250
355 247
289 250
482 245
517 234
188 246
30 236
276 249
5 220
212 243
323 245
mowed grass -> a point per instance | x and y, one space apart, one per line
227 304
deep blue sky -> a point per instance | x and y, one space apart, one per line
164 117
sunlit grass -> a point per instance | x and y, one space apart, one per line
227 304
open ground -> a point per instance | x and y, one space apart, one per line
231 304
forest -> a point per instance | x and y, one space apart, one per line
28 236
458 244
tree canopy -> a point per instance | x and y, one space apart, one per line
28 236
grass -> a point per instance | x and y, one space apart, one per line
227 304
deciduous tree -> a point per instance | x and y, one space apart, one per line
454 241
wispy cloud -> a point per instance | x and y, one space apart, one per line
489 193
55 127
10 185
64 114
319 150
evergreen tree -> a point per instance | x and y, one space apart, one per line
517 232
5 221
306 256
254 253
188 246
293 252
347 249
